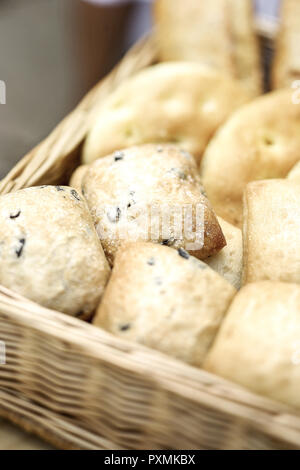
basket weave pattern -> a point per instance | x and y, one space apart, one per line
81 388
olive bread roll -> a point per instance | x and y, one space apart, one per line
164 299
181 103
258 343
151 193
49 249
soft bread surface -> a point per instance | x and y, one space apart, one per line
180 103
50 251
229 261
272 231
218 33
258 343
259 141
286 67
164 299
131 192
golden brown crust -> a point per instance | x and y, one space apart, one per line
271 231
259 141
194 31
258 343
218 33
50 251
181 103
286 67
164 300
132 187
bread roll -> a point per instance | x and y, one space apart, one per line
259 141
218 33
151 193
258 343
170 301
271 231
181 103
50 251
229 261
77 176
286 67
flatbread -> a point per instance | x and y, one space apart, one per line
259 141
181 103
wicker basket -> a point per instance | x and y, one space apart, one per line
79 387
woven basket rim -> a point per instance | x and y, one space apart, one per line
173 375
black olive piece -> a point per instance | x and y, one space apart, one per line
119 156
20 249
59 188
114 218
75 194
168 242
181 175
184 254
131 203
14 216
125 327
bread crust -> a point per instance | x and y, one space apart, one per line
294 174
258 343
229 261
125 190
164 300
271 231
286 65
77 176
259 141
182 103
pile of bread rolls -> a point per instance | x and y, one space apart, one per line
191 138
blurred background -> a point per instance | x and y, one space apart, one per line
51 53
